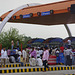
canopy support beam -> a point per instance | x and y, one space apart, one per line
6 19
68 30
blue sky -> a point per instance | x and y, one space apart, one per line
31 30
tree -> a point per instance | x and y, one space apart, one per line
6 37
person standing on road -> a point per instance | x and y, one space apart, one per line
3 56
67 54
24 53
45 58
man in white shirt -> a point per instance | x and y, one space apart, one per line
67 53
3 56
41 52
24 55
39 61
38 53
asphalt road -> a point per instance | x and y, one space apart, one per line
44 73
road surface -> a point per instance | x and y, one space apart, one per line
62 72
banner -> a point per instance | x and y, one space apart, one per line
61 57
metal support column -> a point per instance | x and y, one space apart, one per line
68 30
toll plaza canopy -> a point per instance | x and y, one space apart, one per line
48 14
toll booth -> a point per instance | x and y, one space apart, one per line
36 43
53 42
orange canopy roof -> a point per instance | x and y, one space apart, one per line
61 14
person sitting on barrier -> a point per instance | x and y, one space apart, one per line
20 59
12 59
39 61
32 59
45 58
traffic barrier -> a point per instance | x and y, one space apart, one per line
52 60
69 74
15 65
19 65
35 69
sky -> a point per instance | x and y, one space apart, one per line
33 30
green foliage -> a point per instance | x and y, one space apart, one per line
13 33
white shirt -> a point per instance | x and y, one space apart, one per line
67 52
24 54
16 51
41 52
39 62
57 51
38 53
3 54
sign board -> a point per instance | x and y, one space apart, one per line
45 13
26 16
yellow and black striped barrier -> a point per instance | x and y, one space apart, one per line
69 74
35 69
27 65
15 65
19 65
12 65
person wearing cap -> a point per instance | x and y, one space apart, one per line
45 58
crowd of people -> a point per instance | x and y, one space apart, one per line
37 56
